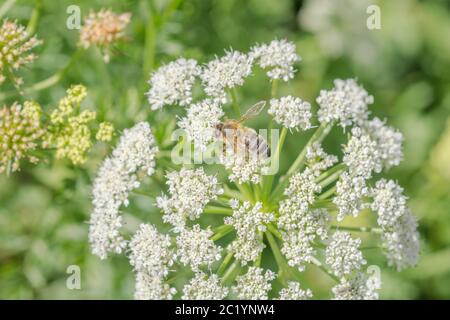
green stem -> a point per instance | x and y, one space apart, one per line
141 193
274 90
283 268
233 194
370 248
258 260
222 201
32 24
9 167
246 191
325 203
330 172
221 231
327 193
318 264
236 108
49 82
5 7
332 178
225 263
257 192
150 41
318 136
218 210
274 231
358 229
164 154
268 180
229 274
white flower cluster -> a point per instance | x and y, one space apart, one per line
318 160
343 254
255 284
402 243
361 155
358 288
279 56
224 73
346 103
350 192
300 218
300 194
190 191
294 292
399 227
151 251
247 220
297 248
243 168
297 241
388 201
172 83
195 248
152 288
151 256
201 121
202 287
291 112
116 178
388 141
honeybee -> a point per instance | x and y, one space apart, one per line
241 138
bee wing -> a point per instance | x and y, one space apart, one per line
253 111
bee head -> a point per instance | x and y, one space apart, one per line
219 130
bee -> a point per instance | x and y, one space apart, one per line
241 138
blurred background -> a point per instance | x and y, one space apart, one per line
404 65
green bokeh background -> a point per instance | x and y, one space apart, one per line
405 65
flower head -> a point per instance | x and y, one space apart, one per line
346 103
224 73
115 179
195 248
151 252
300 194
343 254
248 220
70 129
15 45
402 243
350 191
190 191
20 134
294 292
201 121
204 287
279 56
297 248
152 288
302 228
244 167
291 112
255 284
103 28
357 288
105 132
172 83
388 141
361 155
318 160
388 201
